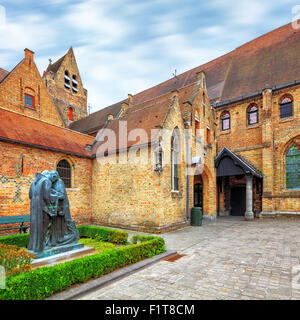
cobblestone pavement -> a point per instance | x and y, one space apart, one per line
226 259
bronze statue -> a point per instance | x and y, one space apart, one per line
51 224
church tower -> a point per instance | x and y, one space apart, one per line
63 82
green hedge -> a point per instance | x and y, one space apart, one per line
20 240
103 234
141 238
43 282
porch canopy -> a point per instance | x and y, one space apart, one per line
228 163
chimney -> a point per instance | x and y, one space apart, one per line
29 55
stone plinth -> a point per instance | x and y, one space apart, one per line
56 250
62 256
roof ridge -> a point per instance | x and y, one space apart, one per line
266 34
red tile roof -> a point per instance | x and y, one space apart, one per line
272 59
147 115
22 129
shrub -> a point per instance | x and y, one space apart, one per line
14 259
43 282
140 238
19 240
103 234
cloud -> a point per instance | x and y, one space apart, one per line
126 46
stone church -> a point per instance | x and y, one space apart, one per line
224 136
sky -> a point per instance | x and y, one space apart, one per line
127 46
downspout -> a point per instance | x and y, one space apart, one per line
187 138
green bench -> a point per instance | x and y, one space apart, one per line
15 219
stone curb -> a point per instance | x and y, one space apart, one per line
103 281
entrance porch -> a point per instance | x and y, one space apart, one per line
239 186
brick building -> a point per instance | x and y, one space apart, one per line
224 136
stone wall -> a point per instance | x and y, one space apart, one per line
63 97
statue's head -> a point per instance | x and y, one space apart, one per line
47 174
55 176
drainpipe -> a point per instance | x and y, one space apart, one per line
187 138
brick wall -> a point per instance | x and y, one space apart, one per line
25 78
265 144
17 171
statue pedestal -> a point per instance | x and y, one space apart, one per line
55 256
57 250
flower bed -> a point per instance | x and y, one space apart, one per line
43 282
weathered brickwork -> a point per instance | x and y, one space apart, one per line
265 145
17 172
25 78
133 195
65 98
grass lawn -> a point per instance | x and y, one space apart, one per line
99 246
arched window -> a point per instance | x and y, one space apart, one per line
67 80
175 158
64 170
286 106
293 168
71 114
74 84
252 114
29 98
225 121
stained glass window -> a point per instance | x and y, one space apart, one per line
293 168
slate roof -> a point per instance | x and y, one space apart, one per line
18 128
239 161
55 66
271 59
95 121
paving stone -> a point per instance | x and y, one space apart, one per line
225 259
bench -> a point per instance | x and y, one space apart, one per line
15 219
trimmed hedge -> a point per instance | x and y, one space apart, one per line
140 238
103 234
41 283
19 240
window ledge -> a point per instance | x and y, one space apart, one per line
225 131
31 108
252 126
72 189
176 194
287 119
